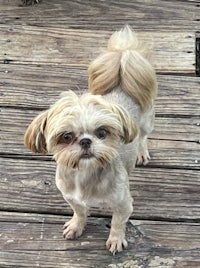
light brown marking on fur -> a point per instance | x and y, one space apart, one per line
126 63
34 136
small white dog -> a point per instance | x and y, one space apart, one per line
97 138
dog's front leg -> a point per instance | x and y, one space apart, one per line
116 240
74 227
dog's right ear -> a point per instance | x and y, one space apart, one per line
34 138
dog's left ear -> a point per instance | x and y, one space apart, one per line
129 128
34 137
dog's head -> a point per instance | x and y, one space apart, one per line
81 131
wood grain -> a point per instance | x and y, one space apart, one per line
36 241
66 47
174 143
29 185
45 50
15 121
99 15
40 86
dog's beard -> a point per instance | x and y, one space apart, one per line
85 159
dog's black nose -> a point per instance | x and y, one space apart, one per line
85 143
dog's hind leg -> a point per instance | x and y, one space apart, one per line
146 127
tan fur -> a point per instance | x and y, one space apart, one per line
96 139
125 64
34 137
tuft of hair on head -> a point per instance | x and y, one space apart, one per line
125 64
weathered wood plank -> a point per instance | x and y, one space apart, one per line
29 185
36 87
174 154
46 49
148 15
174 51
15 121
174 143
37 241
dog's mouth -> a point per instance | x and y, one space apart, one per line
86 155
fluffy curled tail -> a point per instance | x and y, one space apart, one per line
126 63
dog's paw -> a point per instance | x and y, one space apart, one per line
116 244
73 228
143 153
143 157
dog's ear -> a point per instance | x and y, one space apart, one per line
129 128
34 137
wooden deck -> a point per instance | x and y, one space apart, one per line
45 49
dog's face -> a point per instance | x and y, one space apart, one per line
81 132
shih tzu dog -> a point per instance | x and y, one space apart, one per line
97 138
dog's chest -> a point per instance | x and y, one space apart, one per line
79 197
86 189
89 192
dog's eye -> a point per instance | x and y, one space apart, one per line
101 133
68 137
